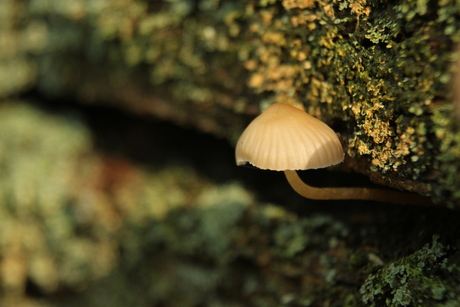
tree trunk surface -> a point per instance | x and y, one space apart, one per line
118 121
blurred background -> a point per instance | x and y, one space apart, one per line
118 185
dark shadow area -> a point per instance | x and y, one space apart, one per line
390 231
157 145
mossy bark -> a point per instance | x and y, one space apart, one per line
87 221
378 72
80 224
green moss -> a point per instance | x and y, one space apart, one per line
377 66
78 221
67 211
415 280
40 162
448 142
209 228
375 76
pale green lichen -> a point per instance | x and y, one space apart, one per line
415 280
39 173
372 84
448 143
379 67
209 227
63 223
117 233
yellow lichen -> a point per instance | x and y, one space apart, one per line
359 8
379 130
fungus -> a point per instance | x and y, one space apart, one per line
285 138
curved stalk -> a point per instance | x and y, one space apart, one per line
372 194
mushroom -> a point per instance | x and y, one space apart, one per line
285 138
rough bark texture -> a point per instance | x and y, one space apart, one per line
94 203
378 72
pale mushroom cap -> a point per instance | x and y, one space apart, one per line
284 137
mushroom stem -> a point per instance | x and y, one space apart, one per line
372 194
